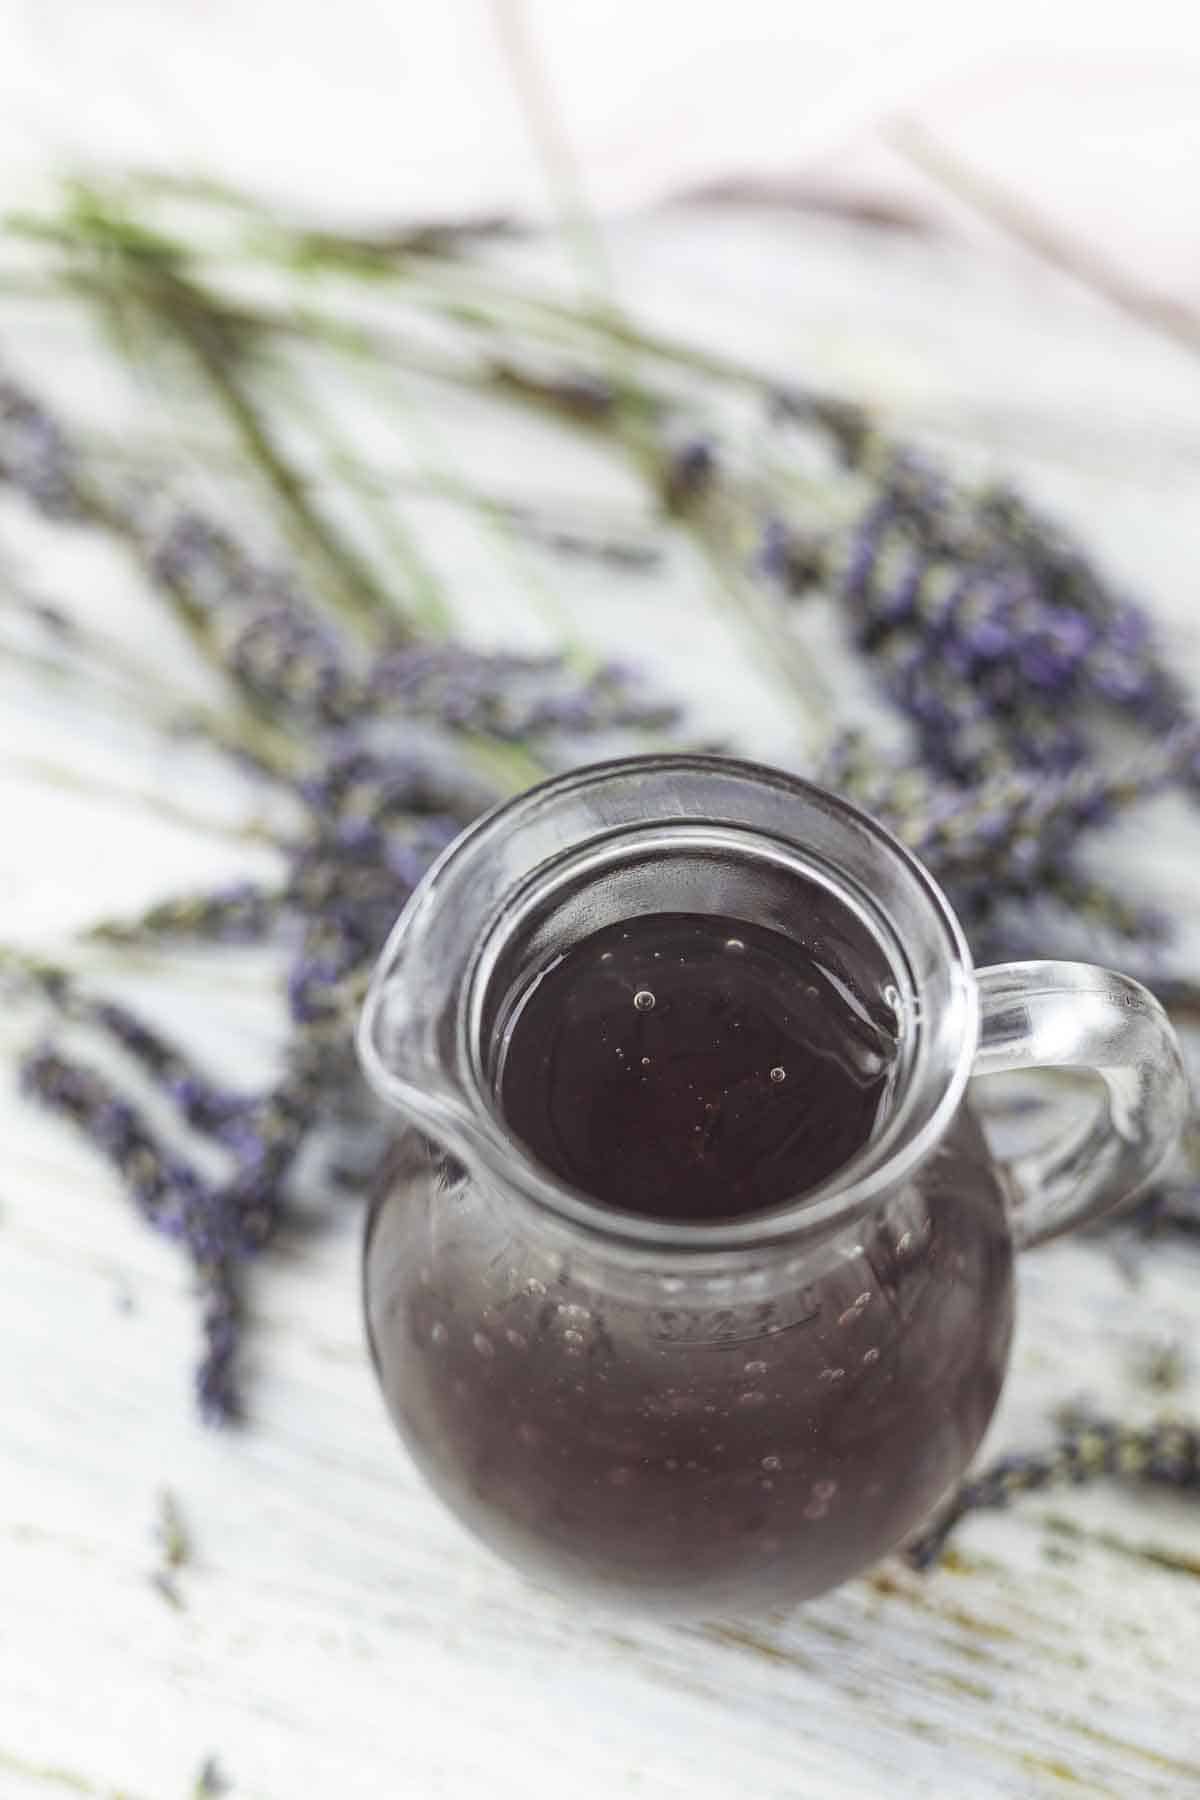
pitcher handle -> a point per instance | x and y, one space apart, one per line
1067 1015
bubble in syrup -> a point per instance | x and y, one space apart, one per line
644 1000
735 944
772 1462
606 956
438 1333
778 1074
483 1344
870 1356
645 1062
754 1368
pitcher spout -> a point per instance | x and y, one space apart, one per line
400 1052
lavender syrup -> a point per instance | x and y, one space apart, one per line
668 1433
688 1067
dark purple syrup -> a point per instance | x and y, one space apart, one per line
677 1434
684 1066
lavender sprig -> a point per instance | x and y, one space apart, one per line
217 1223
515 698
983 652
245 912
35 455
282 651
1166 1455
167 1191
206 1106
1012 833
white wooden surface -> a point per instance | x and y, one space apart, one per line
338 1635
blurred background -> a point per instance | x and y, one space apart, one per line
373 111
479 389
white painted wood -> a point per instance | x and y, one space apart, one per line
339 1636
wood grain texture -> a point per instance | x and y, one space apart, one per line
338 1635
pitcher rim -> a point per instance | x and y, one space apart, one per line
511 1165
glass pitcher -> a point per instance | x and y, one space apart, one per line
686 1416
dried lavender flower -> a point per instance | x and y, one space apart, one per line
216 1392
689 470
1000 838
244 912
206 1106
218 1223
989 627
210 1781
1166 1454
290 661
515 698
167 1191
35 456
981 659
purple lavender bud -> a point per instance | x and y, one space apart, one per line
1167 1454
35 456
788 558
191 555
242 913
165 1189
862 549
293 664
773 557
216 1392
688 472
514 698
207 1107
